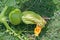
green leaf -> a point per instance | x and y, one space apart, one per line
9 2
56 1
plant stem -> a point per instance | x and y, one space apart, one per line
8 27
4 10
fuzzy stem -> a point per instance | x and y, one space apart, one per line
8 27
4 10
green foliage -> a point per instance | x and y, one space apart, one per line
52 32
6 36
57 2
44 8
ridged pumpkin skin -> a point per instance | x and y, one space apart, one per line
30 17
15 17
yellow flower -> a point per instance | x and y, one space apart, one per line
37 30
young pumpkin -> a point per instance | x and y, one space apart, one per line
30 17
15 17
